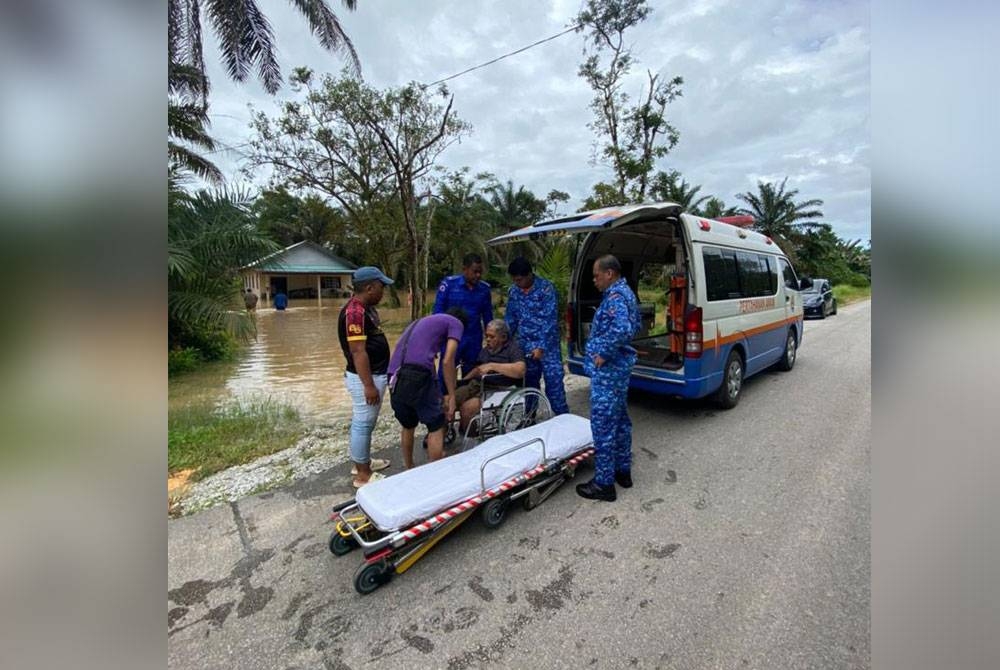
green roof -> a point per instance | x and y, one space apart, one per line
303 257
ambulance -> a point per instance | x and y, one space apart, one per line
728 297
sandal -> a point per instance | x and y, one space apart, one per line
376 464
376 476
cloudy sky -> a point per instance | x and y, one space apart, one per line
772 89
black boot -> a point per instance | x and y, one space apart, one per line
624 479
595 491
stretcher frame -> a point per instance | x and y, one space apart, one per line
387 553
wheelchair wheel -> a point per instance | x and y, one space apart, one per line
522 408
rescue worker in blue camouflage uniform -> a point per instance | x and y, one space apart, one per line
609 359
533 317
469 292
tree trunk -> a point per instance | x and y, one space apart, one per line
413 271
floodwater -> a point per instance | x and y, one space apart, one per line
296 360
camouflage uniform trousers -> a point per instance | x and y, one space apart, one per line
610 423
551 368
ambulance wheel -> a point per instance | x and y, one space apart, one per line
494 512
370 576
787 360
340 545
732 381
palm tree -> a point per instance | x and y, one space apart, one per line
777 214
210 236
246 41
715 208
670 187
516 209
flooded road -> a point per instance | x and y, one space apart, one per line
296 360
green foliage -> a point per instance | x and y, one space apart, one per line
183 360
366 150
603 195
670 187
210 236
846 293
209 439
557 266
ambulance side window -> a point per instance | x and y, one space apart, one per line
791 281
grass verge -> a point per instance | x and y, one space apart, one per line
846 294
208 440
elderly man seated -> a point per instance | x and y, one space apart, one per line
501 358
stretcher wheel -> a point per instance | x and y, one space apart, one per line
493 513
370 576
340 545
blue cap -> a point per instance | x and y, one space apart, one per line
368 272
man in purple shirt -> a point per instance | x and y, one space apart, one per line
415 395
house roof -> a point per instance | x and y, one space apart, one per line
303 258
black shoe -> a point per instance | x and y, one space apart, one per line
596 492
624 479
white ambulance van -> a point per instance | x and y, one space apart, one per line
728 298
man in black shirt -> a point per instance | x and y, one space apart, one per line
367 352
502 359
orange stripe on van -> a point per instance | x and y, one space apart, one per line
758 330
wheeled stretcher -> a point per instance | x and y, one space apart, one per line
396 520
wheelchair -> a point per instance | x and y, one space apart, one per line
502 409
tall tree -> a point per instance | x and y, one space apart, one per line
670 187
364 148
632 136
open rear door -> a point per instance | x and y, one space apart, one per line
588 222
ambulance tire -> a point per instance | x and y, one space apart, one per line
787 360
732 381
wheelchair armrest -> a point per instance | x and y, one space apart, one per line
498 380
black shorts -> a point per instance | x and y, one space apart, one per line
415 398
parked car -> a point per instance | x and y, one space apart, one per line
818 300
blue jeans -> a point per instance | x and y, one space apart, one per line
364 416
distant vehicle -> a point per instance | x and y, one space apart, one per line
818 300
733 306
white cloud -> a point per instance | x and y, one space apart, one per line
771 88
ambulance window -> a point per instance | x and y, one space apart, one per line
721 278
772 274
791 281
753 275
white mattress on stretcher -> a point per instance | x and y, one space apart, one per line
398 501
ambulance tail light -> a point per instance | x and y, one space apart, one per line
693 333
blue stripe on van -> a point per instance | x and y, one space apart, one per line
703 376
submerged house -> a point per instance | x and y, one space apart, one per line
304 270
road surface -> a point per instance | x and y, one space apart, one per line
743 544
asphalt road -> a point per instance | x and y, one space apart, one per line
743 544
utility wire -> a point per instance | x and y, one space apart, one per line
426 86
507 55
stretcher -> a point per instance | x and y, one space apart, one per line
396 520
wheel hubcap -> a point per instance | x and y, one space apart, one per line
735 378
791 350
